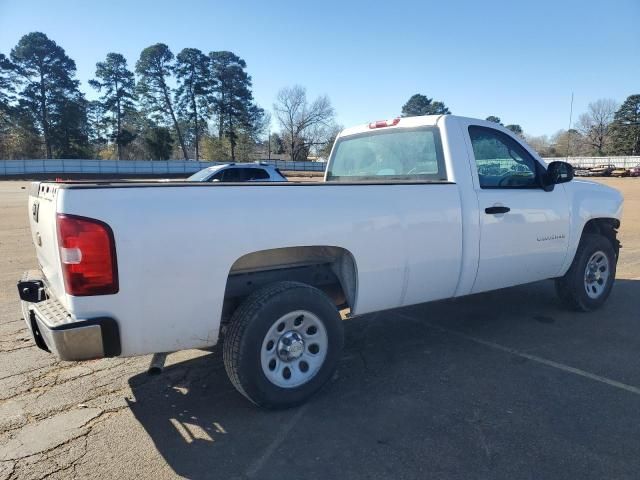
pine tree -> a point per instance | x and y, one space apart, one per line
70 128
195 87
49 91
7 89
515 128
233 102
159 143
155 67
118 84
422 105
6 98
625 129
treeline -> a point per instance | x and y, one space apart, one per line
190 106
606 128
194 105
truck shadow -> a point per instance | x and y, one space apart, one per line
403 386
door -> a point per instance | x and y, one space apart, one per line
524 229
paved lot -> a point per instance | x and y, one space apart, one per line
499 385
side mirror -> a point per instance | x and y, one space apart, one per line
557 172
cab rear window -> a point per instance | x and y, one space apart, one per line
389 155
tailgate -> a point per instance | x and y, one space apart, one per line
42 220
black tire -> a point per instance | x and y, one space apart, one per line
571 287
247 330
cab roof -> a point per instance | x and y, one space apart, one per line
401 122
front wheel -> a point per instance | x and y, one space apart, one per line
588 282
283 344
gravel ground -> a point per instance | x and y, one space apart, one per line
499 385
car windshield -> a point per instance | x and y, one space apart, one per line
203 175
387 155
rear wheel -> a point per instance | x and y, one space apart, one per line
588 282
283 343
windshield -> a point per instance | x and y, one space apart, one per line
398 154
203 175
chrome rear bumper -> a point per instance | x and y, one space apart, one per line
54 330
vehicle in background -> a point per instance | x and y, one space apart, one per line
582 172
601 170
239 172
620 172
635 171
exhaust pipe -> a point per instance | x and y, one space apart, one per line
157 363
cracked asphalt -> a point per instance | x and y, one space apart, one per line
499 385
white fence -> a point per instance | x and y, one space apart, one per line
586 162
187 167
132 167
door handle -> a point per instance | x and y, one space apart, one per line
496 210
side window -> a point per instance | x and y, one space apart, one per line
233 175
257 174
501 161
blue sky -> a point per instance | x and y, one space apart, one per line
517 60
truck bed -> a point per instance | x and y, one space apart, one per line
177 243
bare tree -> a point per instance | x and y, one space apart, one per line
540 144
595 122
567 143
305 126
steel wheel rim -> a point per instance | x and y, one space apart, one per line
596 274
294 349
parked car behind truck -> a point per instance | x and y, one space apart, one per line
601 170
620 172
412 210
239 172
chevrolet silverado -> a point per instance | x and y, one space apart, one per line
411 210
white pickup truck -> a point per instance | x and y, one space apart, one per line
410 211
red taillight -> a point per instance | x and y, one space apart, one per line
384 123
88 256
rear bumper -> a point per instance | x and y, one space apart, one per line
54 330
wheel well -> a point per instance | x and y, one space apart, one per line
608 227
331 269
